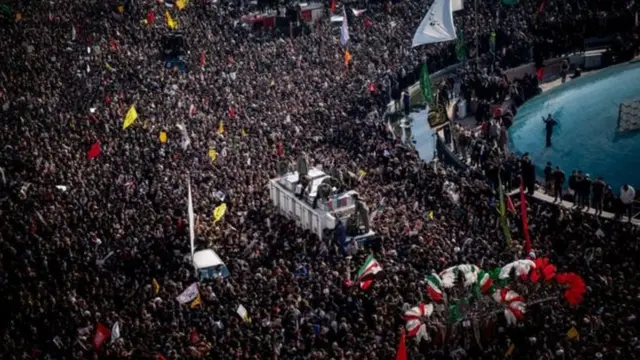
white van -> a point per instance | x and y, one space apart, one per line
209 266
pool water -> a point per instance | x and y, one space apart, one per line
423 134
585 138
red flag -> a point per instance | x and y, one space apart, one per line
151 17
114 45
367 23
94 151
203 60
280 149
543 3
402 348
194 337
540 73
365 284
333 6
231 112
159 356
372 87
102 334
523 215
510 207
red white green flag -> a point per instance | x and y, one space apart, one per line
367 272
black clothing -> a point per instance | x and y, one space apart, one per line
558 182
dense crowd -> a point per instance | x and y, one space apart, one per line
71 70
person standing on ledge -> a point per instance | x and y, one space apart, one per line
597 194
558 183
550 123
627 195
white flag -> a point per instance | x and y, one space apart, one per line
185 137
344 31
358 12
188 294
243 313
115 332
437 25
73 33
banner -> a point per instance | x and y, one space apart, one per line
437 25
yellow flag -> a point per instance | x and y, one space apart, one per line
243 132
163 137
362 173
197 301
170 22
573 334
121 9
156 286
430 215
130 118
213 155
510 350
218 212
220 128
108 67
181 4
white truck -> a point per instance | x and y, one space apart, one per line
325 215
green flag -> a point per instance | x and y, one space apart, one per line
461 47
425 85
503 214
5 10
510 2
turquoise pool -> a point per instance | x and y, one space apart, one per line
587 112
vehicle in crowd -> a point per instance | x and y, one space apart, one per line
209 266
322 207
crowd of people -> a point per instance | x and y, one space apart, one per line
102 239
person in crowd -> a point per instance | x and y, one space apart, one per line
626 198
585 192
406 102
564 70
548 178
528 170
573 185
597 195
558 184
578 189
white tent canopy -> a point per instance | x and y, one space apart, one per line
437 25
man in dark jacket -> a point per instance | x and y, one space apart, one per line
548 178
577 181
585 192
558 183
528 174
597 195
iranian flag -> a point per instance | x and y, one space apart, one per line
434 287
367 272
